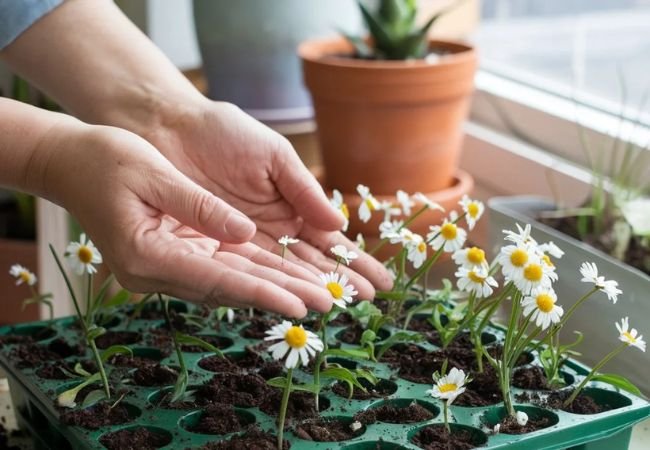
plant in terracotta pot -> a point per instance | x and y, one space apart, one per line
390 108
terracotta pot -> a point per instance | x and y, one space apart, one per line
389 124
12 252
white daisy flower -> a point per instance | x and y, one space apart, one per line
630 337
513 259
497 428
407 237
521 418
368 203
541 304
522 237
551 249
589 273
473 210
22 275
470 257
449 236
637 214
404 200
536 275
230 315
296 343
419 197
389 210
360 241
343 255
450 386
337 202
338 286
476 280
82 256
416 251
286 241
391 231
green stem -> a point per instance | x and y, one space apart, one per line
408 221
593 372
283 408
100 365
89 299
575 306
164 304
445 408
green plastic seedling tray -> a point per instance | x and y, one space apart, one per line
34 399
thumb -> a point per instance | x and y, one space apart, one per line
199 209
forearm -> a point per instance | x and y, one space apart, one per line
92 60
30 138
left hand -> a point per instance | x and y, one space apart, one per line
257 171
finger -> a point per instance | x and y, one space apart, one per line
303 192
365 265
197 208
264 257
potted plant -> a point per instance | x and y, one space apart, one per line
420 368
390 108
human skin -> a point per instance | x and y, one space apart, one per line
107 72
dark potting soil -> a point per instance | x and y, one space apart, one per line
301 404
582 404
524 358
97 416
243 390
395 353
155 375
219 418
325 430
258 326
382 389
412 413
11 339
636 254
252 439
135 362
484 389
351 334
216 341
139 438
55 371
61 347
271 369
232 363
436 437
32 355
180 323
117 338
530 378
509 425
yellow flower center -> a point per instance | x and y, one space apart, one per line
370 204
296 337
533 272
472 209
422 247
545 303
629 337
24 276
547 260
475 255
449 231
335 289
85 254
475 278
519 257
345 211
448 387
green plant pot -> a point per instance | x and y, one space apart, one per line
34 400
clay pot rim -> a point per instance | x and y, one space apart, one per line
462 182
325 51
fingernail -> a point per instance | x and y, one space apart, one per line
239 227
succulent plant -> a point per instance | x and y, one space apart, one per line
394 32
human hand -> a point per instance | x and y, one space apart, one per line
160 232
257 171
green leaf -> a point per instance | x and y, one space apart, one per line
341 374
281 382
361 48
346 353
94 332
181 386
618 381
121 298
93 397
367 375
367 337
182 338
399 337
79 370
115 350
389 295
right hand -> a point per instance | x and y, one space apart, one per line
158 231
